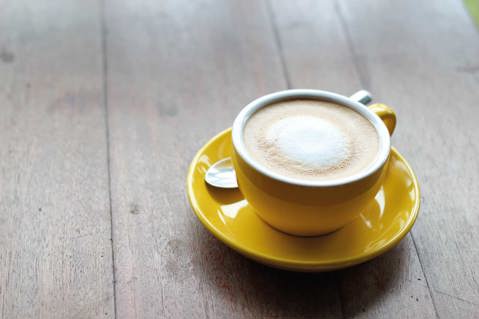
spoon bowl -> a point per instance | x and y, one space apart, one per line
222 174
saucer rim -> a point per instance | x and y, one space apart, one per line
296 264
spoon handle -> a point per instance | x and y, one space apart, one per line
362 96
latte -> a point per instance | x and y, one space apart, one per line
311 139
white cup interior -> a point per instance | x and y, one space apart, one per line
251 108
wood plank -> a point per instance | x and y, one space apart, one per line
318 55
422 57
314 46
179 72
55 251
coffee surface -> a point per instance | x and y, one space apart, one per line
312 140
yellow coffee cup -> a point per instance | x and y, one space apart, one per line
305 207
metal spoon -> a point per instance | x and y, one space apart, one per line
222 173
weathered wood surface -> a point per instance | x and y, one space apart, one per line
170 75
424 59
316 44
55 249
182 76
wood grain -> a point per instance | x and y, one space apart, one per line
115 97
55 251
423 60
178 73
318 54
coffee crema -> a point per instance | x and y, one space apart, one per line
311 139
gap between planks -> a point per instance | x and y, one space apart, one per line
104 53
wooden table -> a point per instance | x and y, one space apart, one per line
104 103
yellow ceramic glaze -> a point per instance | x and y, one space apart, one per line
310 210
380 226
386 114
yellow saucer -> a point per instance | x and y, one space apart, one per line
229 217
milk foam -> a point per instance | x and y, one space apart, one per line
310 141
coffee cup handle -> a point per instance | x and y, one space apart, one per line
385 112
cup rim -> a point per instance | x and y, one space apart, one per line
252 107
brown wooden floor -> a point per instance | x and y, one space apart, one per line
104 103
